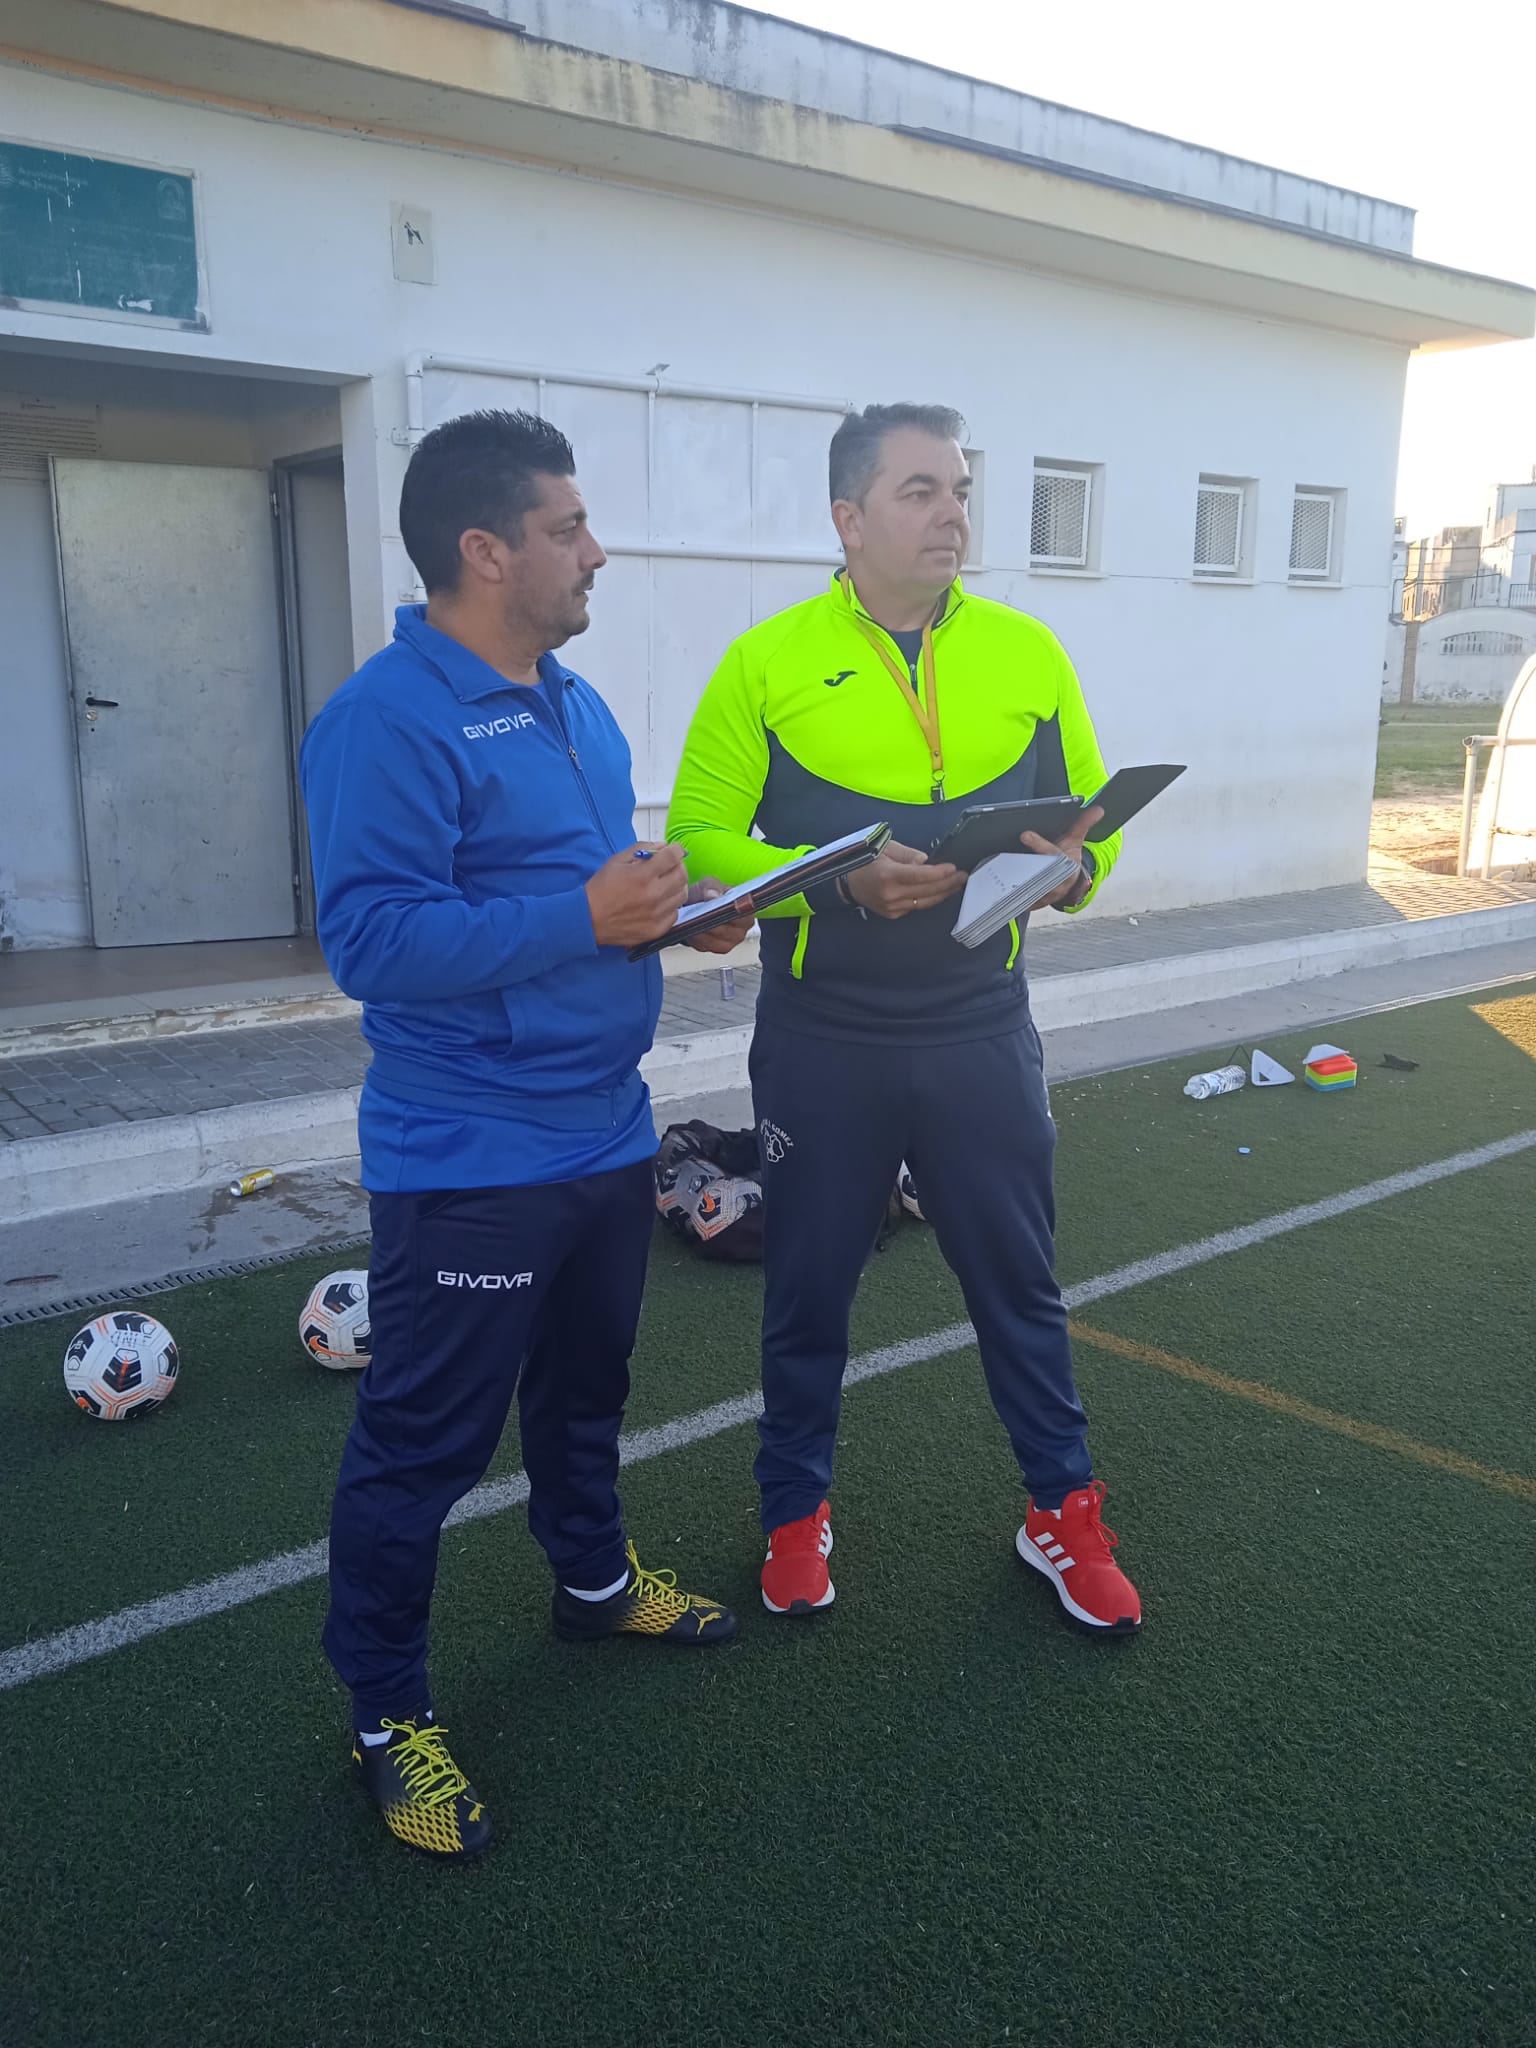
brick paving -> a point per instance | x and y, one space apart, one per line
51 1092
48 1093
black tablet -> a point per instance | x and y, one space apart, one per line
1128 792
985 829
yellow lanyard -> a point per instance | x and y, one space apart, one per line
926 714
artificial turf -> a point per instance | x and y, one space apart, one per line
1296 1811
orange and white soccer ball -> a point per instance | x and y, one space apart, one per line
121 1366
334 1326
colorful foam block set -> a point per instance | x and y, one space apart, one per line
1329 1070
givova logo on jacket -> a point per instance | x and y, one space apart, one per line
499 725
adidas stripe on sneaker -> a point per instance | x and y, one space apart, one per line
1071 1547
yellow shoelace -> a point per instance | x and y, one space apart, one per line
660 1586
430 1772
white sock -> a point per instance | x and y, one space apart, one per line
578 1593
371 1738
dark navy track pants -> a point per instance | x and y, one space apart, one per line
973 1121
473 1296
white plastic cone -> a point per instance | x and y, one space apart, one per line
1268 1073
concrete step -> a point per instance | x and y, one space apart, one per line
130 1017
1099 995
87 1255
53 1174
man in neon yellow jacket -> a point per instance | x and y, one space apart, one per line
900 695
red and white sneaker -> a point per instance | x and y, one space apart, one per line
795 1576
1074 1550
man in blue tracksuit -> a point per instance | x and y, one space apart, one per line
470 814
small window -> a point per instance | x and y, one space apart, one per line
1058 524
977 462
1221 526
1482 643
1063 515
1314 523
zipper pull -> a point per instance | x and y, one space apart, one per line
575 758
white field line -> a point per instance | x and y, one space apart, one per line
27 1661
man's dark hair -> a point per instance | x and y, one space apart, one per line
854 458
478 470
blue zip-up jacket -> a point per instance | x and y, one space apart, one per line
454 818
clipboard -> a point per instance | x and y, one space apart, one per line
821 864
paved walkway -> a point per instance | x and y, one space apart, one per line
140 1078
1394 895
126 1243
52 1092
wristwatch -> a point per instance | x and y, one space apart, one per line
1090 869
846 895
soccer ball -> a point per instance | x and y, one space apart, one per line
334 1326
121 1366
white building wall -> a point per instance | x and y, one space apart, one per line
1508 498
1269 691
1392 662
1442 678
1522 566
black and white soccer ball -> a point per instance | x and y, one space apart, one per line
121 1366
334 1326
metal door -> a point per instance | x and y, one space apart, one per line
176 675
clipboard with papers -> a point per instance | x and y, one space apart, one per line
1007 885
822 864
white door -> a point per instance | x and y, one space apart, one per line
176 679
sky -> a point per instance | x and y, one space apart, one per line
1425 106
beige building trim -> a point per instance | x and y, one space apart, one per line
376 68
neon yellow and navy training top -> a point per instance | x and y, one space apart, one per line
816 724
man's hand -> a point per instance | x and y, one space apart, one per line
1071 843
725 938
902 880
636 896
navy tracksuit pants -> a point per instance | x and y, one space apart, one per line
835 1120
473 1296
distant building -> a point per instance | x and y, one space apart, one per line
1509 551
1464 605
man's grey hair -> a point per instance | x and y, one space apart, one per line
853 461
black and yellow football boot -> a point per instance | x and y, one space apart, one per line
423 1795
649 1605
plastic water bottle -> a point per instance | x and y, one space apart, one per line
1220 1081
